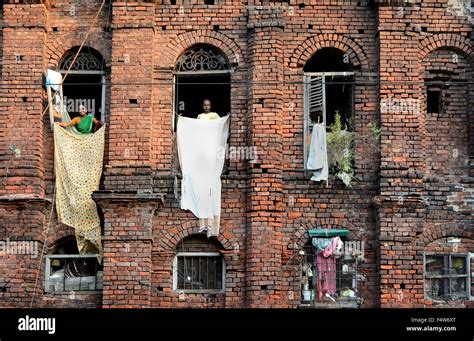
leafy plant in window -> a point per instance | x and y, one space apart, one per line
340 154
340 141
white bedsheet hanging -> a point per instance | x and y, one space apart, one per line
201 152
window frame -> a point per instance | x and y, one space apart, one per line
103 84
47 274
198 291
341 260
467 256
440 105
306 103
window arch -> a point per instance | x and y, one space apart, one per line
199 265
329 59
88 60
446 73
86 81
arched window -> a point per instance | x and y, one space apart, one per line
199 265
202 72
328 91
86 81
329 87
446 110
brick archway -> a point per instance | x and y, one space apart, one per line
451 41
56 48
225 238
313 44
457 45
442 230
57 232
181 43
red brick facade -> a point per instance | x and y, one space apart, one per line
412 193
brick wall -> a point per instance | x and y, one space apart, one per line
412 190
419 173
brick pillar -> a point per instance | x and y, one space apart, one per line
129 166
21 123
23 210
400 205
127 243
21 266
264 194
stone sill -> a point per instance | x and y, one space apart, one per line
67 293
200 292
337 305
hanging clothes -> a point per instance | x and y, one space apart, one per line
321 243
326 265
201 153
326 275
54 79
317 158
78 168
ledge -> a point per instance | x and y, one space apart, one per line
121 197
15 199
413 201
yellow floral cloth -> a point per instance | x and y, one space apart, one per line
78 166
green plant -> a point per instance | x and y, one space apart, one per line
340 154
376 131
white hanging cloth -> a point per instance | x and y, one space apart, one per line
318 158
54 79
201 152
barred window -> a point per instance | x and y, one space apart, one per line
329 285
199 265
200 272
66 270
447 276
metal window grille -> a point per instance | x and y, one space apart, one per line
72 273
202 58
199 272
340 282
84 62
447 276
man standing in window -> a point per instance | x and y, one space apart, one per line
207 114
